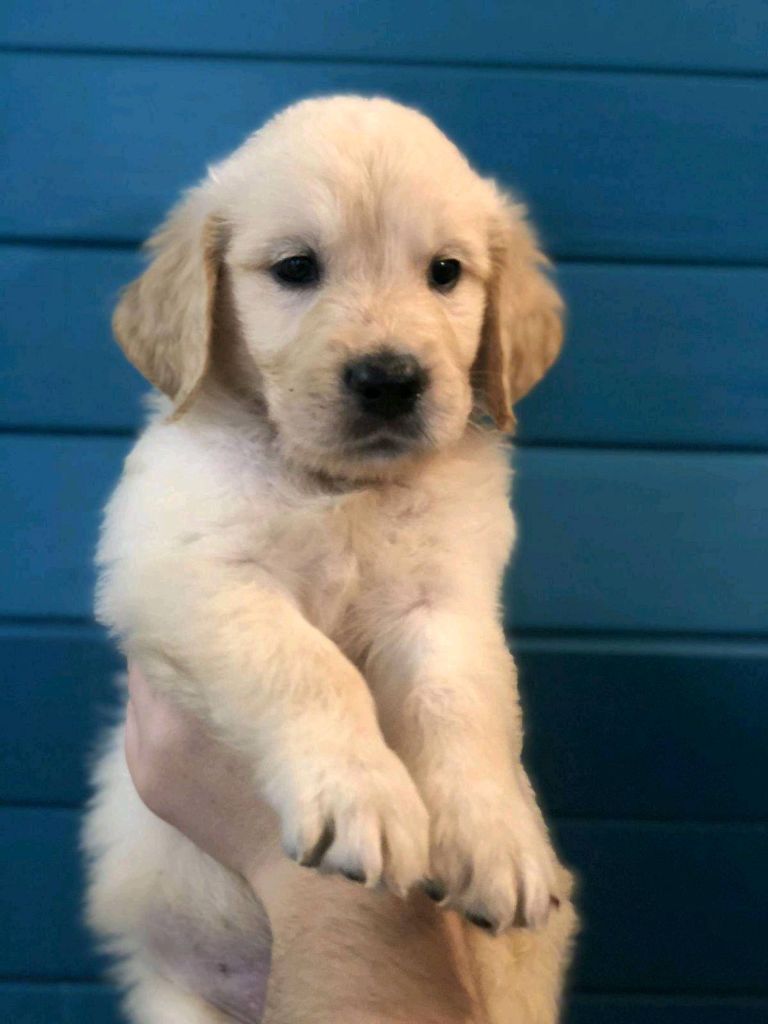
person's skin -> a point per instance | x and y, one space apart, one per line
188 778
415 953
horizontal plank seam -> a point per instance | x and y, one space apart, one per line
756 825
523 66
24 621
700 647
661 636
757 998
53 430
69 242
644 446
531 634
563 257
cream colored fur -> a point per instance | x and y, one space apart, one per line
334 615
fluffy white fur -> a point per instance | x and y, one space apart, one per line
332 610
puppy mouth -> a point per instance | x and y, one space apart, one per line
383 447
368 441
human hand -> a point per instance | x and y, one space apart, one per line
187 777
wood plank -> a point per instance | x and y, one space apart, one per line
609 541
618 166
642 541
647 730
54 490
41 884
62 1003
614 729
655 355
56 697
59 367
664 33
647 1009
68 1003
657 901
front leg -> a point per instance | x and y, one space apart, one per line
235 648
445 686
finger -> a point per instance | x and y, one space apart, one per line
132 746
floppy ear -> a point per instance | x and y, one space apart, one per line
523 326
164 320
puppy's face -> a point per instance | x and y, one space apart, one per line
364 262
358 261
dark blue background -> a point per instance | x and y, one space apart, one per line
638 601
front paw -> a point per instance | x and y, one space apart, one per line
490 855
358 814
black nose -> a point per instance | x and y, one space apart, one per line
386 385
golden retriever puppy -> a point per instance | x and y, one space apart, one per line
306 549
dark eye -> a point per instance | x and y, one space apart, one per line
444 273
297 271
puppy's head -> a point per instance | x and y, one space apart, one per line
347 273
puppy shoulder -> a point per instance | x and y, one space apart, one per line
474 477
469 496
181 478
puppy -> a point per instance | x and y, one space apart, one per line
306 549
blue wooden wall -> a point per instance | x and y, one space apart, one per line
639 134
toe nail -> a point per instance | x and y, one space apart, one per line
555 902
355 876
480 922
434 890
315 856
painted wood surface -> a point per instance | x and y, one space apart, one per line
615 728
637 603
625 167
645 541
644 881
25 1002
671 34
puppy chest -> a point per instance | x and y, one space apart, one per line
314 555
347 562
330 587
